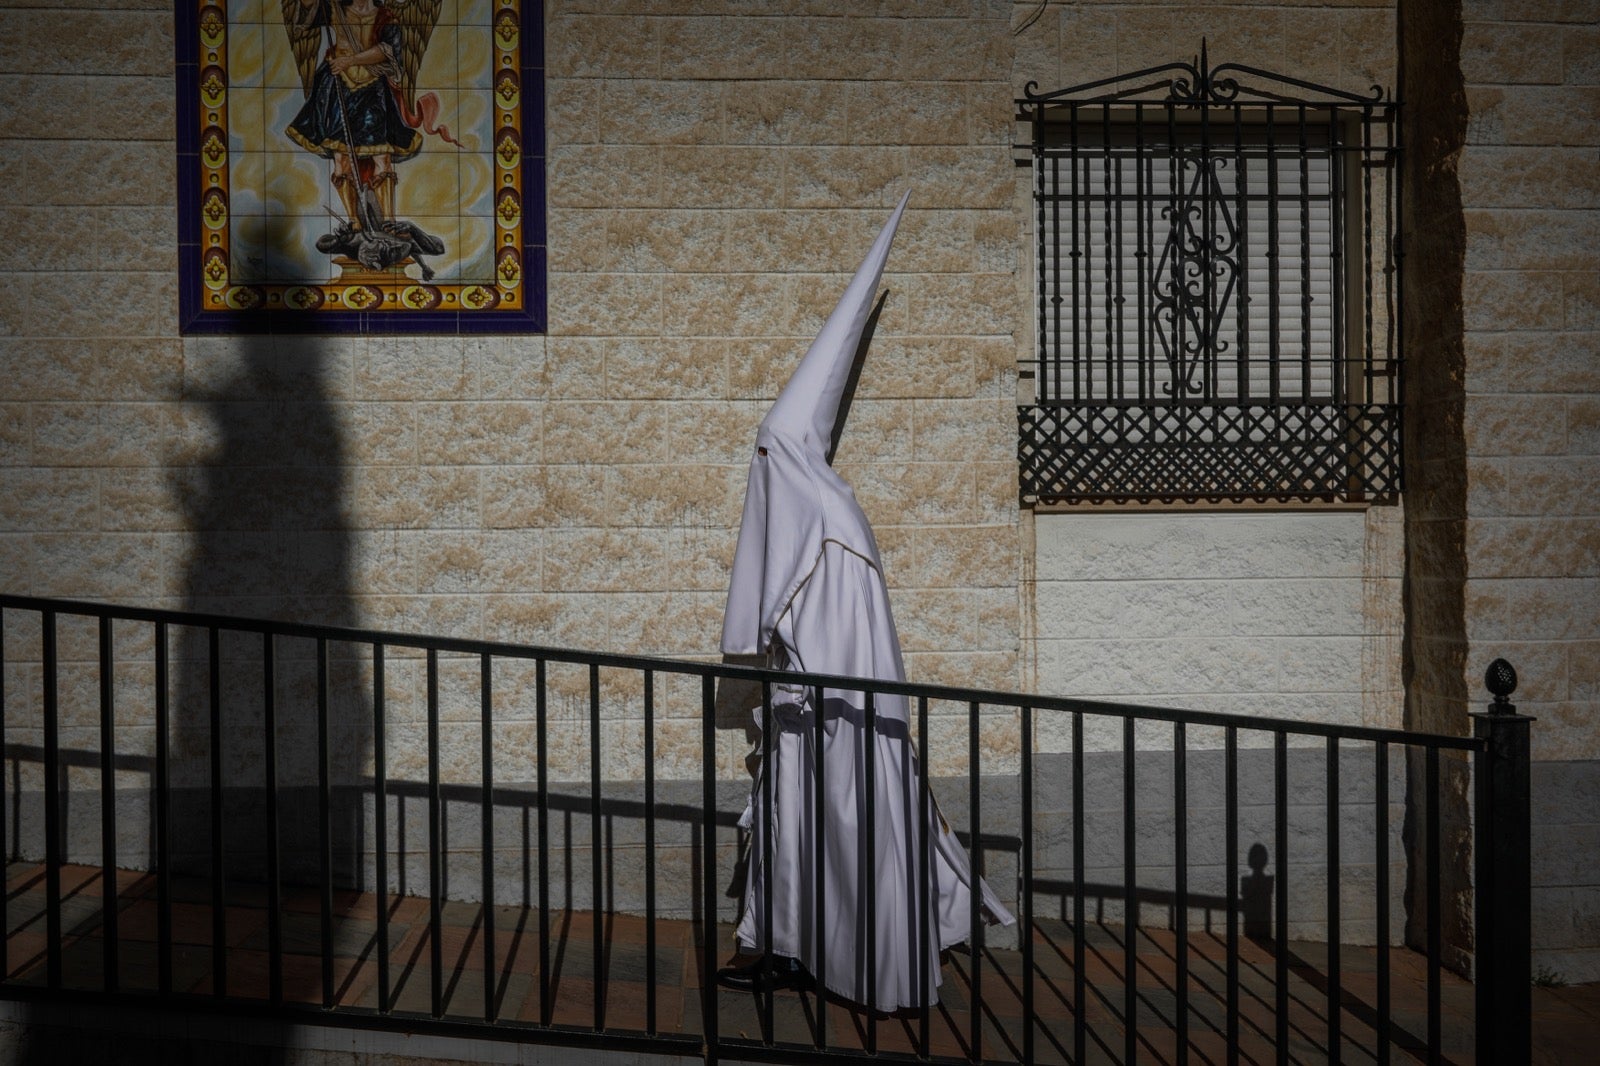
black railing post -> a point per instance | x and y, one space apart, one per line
1503 935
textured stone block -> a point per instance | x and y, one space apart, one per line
599 47
1503 54
1547 176
717 176
1581 54
520 497
855 177
1534 547
606 434
1533 608
963 557
1510 299
407 368
135 42
38 499
963 304
927 44
1513 425
113 566
670 240
908 113
663 496
918 368
1582 301
787 112
1553 486
409 497
930 493
603 560
669 369
1506 239
16 435
723 304
463 434
605 305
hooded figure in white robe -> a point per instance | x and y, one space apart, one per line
808 592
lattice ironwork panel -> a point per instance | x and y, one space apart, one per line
1208 452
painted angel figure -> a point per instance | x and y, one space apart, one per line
358 62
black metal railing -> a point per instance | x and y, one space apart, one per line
1217 265
231 849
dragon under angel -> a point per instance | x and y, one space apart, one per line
358 62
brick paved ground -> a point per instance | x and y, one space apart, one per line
1566 1020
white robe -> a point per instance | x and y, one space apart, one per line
807 589
844 584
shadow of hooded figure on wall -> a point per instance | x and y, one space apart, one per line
270 538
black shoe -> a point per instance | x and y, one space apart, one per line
786 973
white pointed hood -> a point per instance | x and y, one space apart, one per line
794 501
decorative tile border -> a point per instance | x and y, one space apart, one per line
250 264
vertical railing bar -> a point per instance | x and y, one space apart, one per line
325 822
1049 280
52 801
708 863
541 746
163 816
1381 878
1079 308
269 724
1208 234
219 914
1334 992
435 842
1280 969
108 810
650 852
1241 302
5 916
1230 817
486 745
1274 302
1435 901
380 822
766 880
1130 899
1337 371
928 823
1108 236
1305 258
974 926
1143 209
1027 885
820 822
871 894
1080 1027
596 867
1180 862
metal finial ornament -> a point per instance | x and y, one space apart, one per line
1501 681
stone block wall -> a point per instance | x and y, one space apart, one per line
1530 201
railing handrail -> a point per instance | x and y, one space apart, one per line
738 672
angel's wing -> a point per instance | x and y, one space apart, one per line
416 19
305 41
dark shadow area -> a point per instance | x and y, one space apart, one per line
266 508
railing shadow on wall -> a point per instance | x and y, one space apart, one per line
613 897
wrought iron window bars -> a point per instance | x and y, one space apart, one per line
1217 281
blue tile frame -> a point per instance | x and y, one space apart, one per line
195 319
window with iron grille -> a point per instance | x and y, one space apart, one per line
1217 277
